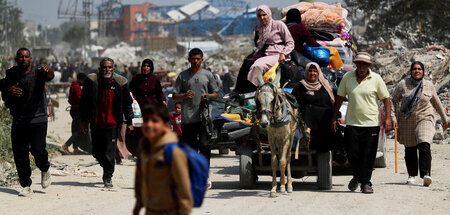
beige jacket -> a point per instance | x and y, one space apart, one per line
161 188
420 125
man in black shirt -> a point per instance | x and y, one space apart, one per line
24 95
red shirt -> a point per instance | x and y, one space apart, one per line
104 115
176 123
75 96
301 35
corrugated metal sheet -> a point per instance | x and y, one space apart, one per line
192 8
176 15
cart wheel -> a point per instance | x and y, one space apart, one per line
324 173
246 168
224 151
380 162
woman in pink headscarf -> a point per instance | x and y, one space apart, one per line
273 43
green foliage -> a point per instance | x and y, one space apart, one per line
6 153
5 135
76 35
426 20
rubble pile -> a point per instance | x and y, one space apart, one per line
393 65
235 49
122 53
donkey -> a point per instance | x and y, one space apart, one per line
281 118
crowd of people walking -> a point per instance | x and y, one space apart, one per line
102 114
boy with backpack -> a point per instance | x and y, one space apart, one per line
167 172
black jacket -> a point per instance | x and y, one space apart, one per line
121 102
31 106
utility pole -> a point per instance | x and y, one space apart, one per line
69 9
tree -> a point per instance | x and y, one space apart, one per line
419 21
76 36
11 29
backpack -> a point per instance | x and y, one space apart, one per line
198 169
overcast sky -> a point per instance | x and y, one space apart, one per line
45 12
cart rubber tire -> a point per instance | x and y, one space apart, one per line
246 169
324 170
224 151
381 161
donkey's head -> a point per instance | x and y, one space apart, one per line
266 99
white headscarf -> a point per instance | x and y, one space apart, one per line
263 30
225 69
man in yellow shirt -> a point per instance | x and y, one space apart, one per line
364 88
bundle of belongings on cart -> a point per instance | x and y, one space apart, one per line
329 26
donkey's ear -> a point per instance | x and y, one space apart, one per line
277 78
259 76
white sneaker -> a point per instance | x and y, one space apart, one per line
26 191
427 181
411 180
45 179
208 185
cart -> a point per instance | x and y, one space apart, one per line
254 160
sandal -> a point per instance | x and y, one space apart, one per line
367 189
65 148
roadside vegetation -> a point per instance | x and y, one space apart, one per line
8 173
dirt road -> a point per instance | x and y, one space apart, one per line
77 189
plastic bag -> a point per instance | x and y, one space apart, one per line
335 58
137 120
320 55
270 75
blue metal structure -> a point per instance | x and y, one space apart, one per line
234 18
111 9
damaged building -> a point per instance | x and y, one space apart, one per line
155 27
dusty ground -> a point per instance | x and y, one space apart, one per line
78 189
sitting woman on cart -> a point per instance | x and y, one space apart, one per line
273 44
315 97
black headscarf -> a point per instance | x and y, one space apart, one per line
150 63
413 98
293 16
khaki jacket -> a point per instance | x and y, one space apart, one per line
419 127
161 188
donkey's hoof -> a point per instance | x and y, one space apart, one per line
273 194
289 189
282 189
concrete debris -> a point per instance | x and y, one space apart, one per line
83 172
232 53
122 53
439 56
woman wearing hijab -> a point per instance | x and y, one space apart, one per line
274 43
414 99
299 32
146 89
315 97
